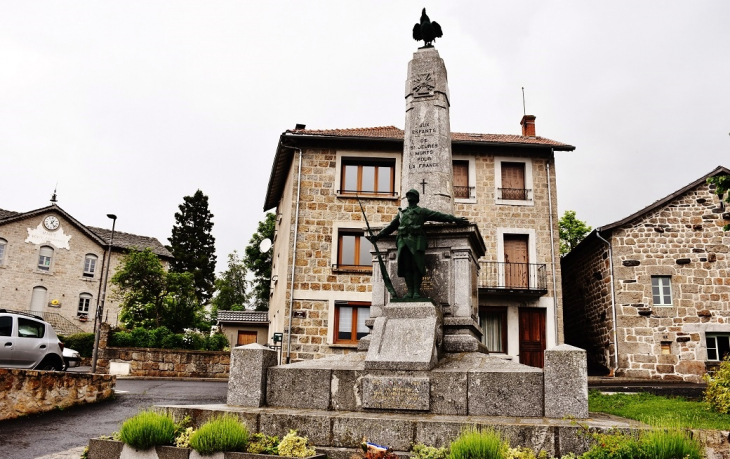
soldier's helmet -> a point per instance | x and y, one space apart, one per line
415 193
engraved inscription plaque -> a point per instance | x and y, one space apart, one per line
396 393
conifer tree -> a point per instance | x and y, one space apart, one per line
193 245
260 263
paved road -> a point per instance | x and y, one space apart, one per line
40 435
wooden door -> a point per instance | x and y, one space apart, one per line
461 179
516 260
532 336
246 337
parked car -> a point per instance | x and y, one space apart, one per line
29 342
71 357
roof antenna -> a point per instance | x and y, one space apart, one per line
53 198
524 112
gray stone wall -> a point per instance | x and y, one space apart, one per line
167 363
682 239
28 391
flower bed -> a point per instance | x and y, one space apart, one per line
112 449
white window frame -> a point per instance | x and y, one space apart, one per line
90 274
351 154
713 336
661 284
531 247
472 177
498 160
79 310
337 227
3 251
51 259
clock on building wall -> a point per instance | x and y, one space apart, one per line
51 222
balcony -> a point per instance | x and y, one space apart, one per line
464 192
513 278
514 194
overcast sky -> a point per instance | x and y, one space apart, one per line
129 106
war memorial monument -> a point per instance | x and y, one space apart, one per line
422 374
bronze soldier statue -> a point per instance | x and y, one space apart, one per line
411 240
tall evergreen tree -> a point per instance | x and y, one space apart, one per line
193 245
231 286
260 263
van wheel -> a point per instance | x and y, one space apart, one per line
50 365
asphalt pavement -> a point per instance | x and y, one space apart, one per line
62 434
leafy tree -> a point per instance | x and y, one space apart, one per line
151 297
231 286
260 263
572 231
193 245
722 189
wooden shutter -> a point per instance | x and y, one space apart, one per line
461 179
513 176
516 260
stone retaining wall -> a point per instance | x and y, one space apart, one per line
167 362
28 391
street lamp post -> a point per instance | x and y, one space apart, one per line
100 307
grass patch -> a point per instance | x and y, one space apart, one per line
675 412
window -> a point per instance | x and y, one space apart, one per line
661 290
461 180
84 301
45 257
368 176
90 265
3 249
513 182
30 328
38 300
353 251
6 326
350 320
494 326
718 346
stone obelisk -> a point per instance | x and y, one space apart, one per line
427 138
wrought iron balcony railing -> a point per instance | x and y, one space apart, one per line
513 277
514 194
464 192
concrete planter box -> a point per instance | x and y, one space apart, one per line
110 449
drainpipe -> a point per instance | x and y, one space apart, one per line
552 254
294 258
613 304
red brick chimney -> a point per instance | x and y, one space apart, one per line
528 125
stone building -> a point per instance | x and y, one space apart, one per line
503 183
654 288
244 327
52 265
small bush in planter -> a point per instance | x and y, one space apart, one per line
422 451
148 429
221 433
263 444
474 444
292 445
671 443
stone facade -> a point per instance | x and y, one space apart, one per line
322 212
678 239
62 286
27 392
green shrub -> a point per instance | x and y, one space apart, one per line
141 337
158 335
670 444
217 342
475 444
717 393
174 341
292 445
81 342
121 339
522 452
613 445
148 429
193 341
221 433
422 451
263 444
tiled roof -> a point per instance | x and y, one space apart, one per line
392 132
126 241
7 213
243 316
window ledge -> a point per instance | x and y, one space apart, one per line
344 345
88 279
367 196
47 273
465 200
507 202
352 271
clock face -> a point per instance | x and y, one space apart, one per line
51 222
